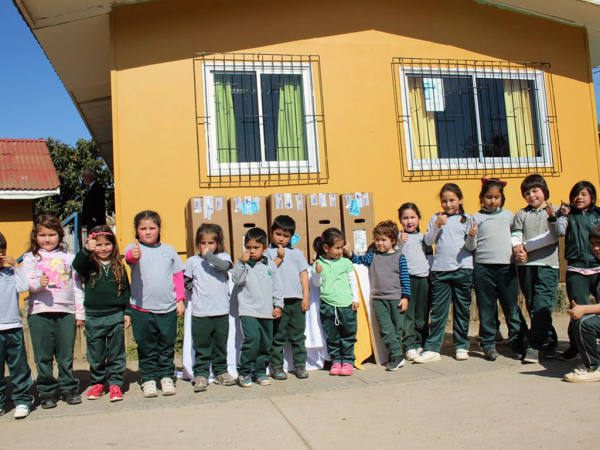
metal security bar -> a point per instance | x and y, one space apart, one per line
260 120
464 118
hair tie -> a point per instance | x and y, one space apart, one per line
486 180
100 233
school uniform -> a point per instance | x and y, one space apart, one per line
538 277
416 317
390 283
12 344
259 291
206 278
292 324
105 310
495 278
451 281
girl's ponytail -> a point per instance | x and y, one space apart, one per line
461 211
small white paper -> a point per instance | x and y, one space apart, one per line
360 241
299 202
197 205
434 94
358 197
365 199
209 205
278 201
288 201
313 200
332 200
237 202
322 200
257 200
348 201
219 203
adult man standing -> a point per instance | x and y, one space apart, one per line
93 212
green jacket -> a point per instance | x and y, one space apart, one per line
576 227
102 298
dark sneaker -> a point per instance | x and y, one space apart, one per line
48 402
279 374
518 353
394 364
569 354
549 353
491 354
71 398
301 372
532 356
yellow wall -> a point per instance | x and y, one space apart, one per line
16 220
154 129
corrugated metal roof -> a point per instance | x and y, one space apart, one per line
25 164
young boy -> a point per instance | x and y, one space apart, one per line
293 270
260 298
585 320
13 279
537 265
390 288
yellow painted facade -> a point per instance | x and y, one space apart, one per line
154 123
16 220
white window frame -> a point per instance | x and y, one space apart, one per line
481 163
264 167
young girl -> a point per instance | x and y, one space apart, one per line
157 292
452 275
107 310
339 299
495 274
206 278
583 268
54 311
418 254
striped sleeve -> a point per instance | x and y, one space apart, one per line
365 259
404 278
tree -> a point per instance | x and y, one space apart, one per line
69 163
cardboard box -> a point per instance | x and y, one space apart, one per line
207 209
245 213
293 205
322 212
358 220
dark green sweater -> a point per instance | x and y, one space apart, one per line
102 298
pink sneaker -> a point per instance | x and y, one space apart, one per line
347 370
115 393
95 392
335 369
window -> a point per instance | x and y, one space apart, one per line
260 116
469 117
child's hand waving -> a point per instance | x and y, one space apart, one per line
441 220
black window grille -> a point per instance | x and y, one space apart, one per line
465 118
260 120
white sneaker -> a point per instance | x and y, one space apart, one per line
167 386
462 354
583 374
427 357
21 411
149 389
411 354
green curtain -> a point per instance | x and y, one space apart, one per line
227 149
291 139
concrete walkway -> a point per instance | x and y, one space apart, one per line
449 404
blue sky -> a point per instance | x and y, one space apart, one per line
33 102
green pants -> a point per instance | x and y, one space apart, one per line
340 325
579 288
495 282
256 347
538 285
586 330
390 321
416 317
53 335
106 348
12 353
209 337
450 287
289 328
155 335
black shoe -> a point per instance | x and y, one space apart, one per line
71 398
518 354
279 374
569 354
549 353
48 402
395 363
532 356
491 354
301 372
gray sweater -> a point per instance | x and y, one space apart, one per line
415 251
258 288
493 239
450 250
530 223
11 282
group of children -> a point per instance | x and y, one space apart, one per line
410 287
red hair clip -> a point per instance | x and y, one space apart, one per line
486 180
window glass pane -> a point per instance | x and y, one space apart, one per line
283 117
492 111
236 105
